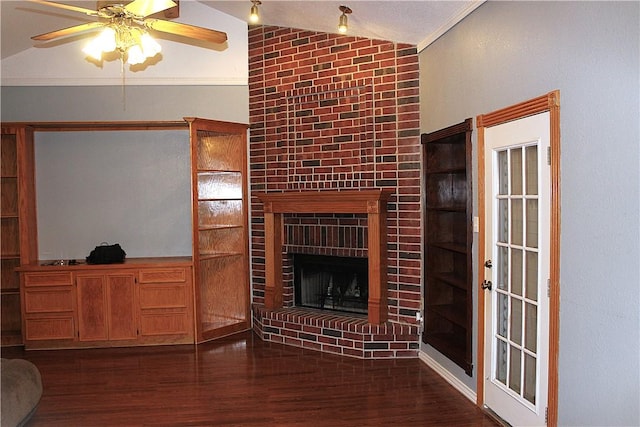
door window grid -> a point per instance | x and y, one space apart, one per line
517 271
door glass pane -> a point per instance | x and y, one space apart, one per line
531 327
531 169
530 378
532 276
514 370
503 173
516 271
503 315
516 221
516 171
503 224
501 361
516 321
503 268
532 223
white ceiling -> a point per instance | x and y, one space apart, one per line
413 22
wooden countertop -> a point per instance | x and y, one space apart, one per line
50 265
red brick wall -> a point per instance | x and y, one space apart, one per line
337 112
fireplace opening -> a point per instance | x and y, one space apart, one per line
333 283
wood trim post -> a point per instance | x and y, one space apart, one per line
377 251
273 258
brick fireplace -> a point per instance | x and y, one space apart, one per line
335 114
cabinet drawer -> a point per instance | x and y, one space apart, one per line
48 279
163 296
43 300
163 275
49 328
164 324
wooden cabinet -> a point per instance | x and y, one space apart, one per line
220 236
106 306
49 307
141 302
17 233
165 296
448 239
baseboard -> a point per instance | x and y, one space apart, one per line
451 379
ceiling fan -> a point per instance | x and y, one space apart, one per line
125 28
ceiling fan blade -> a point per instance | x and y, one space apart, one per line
68 31
185 30
66 6
143 8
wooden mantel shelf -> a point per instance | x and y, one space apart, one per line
364 201
370 202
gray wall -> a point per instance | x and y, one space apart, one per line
131 188
105 103
508 52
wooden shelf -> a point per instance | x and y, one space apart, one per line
459 282
447 208
447 170
452 312
219 227
207 256
447 239
454 247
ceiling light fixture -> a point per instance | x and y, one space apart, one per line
342 22
132 42
254 17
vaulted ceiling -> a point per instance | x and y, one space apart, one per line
414 22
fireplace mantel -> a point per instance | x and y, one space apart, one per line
370 202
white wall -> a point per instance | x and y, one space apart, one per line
508 52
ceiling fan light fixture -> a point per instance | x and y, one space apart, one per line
106 41
150 47
254 16
135 55
343 24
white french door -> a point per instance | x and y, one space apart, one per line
517 239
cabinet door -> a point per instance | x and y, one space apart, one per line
121 307
92 310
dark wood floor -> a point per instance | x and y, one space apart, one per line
240 381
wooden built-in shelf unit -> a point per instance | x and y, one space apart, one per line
448 237
220 258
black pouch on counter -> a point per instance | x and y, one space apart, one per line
106 254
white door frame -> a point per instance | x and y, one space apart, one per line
549 102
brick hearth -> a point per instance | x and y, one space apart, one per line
334 333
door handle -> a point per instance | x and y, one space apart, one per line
486 284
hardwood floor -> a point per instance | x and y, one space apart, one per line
240 381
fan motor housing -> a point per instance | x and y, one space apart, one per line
170 13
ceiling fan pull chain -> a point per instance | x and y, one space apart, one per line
124 93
